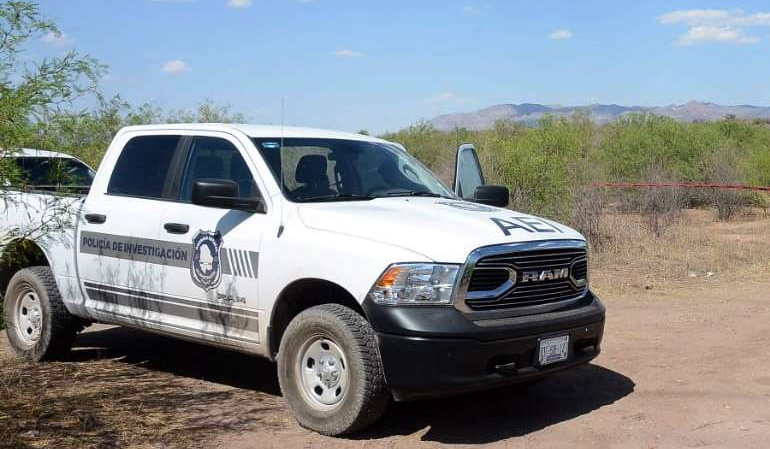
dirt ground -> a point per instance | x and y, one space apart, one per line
685 363
683 368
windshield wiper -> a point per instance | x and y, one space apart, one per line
327 198
414 193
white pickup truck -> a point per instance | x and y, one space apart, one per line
338 255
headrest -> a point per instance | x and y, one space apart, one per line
311 168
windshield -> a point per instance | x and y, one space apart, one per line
315 170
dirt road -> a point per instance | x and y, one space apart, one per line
688 367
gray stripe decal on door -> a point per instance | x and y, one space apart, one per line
251 266
132 321
234 262
178 310
225 261
218 307
225 254
244 271
247 268
254 257
157 252
237 270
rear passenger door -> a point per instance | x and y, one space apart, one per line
221 281
121 257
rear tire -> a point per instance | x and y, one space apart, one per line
38 325
330 370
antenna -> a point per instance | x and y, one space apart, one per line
280 165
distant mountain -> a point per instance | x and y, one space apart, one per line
530 114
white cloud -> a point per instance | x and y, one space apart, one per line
347 53
175 66
717 17
449 97
57 39
560 35
695 17
701 34
471 10
239 3
716 25
444 96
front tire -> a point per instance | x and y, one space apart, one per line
38 325
330 370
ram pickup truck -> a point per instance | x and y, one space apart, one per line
339 256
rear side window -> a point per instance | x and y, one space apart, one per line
55 172
144 167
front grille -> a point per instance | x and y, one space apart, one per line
580 269
484 280
491 272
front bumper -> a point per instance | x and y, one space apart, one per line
437 351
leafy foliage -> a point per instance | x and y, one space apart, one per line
546 166
87 134
31 90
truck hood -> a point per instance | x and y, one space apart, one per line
443 230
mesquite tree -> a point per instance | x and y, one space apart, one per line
29 91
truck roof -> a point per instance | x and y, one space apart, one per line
30 152
271 131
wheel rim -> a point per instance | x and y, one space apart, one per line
29 316
322 372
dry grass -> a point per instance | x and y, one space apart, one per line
87 405
696 248
142 396
108 403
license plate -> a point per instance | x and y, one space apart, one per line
554 349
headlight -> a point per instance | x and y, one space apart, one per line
415 284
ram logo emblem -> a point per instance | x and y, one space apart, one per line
545 275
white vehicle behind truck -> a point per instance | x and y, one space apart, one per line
337 255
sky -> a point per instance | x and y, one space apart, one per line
383 65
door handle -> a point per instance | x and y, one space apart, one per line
96 218
176 228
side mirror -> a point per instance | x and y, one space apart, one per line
223 194
497 196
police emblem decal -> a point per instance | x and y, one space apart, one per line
205 266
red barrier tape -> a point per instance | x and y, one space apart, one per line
695 185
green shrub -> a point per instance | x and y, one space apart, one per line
546 166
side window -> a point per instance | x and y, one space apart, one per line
215 158
306 169
143 167
310 171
